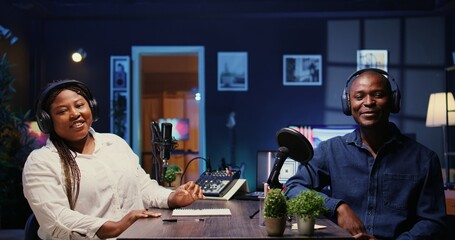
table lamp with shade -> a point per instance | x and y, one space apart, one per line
441 113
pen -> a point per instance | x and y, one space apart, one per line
183 220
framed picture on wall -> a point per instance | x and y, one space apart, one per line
302 70
120 67
232 71
120 96
119 114
372 59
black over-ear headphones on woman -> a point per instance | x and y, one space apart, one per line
395 96
44 118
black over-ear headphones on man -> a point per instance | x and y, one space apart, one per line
395 96
44 119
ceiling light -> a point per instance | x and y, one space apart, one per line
79 55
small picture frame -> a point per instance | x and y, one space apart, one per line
232 71
372 59
120 66
302 70
120 96
120 121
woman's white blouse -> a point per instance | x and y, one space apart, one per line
112 184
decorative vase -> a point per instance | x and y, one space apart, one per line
305 225
275 226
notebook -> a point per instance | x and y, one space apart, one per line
201 212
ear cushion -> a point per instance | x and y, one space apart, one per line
395 96
396 100
345 103
44 119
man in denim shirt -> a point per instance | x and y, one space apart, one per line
383 185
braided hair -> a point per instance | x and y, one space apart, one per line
72 173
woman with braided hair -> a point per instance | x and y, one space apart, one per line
88 185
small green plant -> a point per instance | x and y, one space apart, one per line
171 173
308 203
275 204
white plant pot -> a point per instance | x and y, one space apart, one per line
305 225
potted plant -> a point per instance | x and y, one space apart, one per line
307 206
275 212
171 174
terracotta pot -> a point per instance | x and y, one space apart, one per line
305 225
275 226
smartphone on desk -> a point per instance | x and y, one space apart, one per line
253 196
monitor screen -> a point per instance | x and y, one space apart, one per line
35 132
180 127
318 133
314 133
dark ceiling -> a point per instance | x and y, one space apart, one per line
202 8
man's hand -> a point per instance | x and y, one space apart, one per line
185 195
349 221
364 236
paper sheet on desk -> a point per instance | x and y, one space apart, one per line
239 184
316 226
201 212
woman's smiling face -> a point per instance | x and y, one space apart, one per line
71 116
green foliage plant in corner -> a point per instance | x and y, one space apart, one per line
15 145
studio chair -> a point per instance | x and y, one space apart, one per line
31 228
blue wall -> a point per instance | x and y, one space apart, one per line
267 106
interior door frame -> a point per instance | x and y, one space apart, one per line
137 52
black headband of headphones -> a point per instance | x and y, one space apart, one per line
43 118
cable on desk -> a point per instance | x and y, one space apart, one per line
207 162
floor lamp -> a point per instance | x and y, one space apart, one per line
438 106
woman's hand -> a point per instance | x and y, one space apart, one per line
111 229
185 195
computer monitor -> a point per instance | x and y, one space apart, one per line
318 133
314 133
180 127
264 164
35 132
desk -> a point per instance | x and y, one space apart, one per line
237 226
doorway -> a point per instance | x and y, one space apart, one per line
139 57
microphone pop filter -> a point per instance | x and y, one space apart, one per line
299 147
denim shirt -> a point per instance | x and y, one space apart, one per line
397 195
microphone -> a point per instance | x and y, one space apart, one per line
156 134
167 141
293 145
280 157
